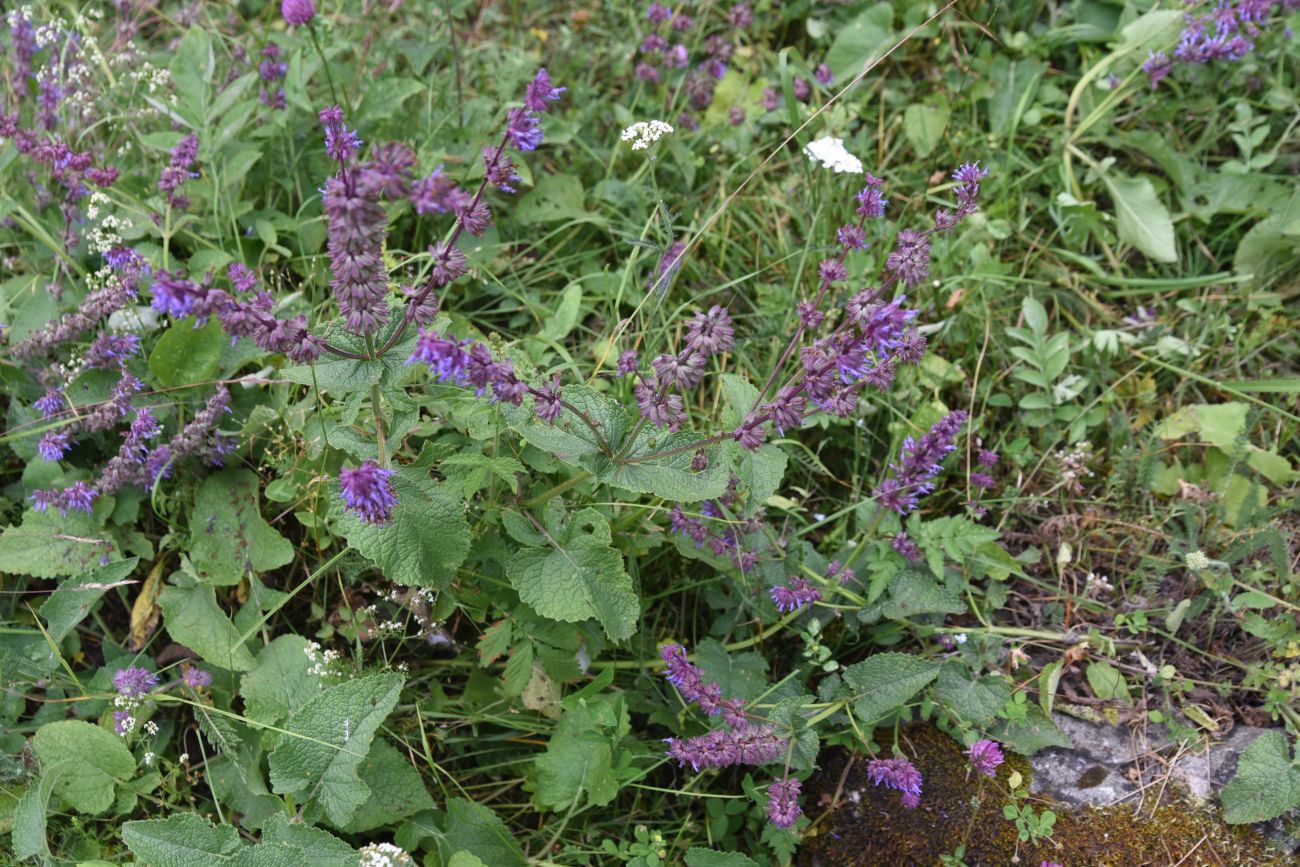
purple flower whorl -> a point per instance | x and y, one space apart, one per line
368 492
298 12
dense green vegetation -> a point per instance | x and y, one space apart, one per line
382 414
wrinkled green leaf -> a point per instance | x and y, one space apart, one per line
329 738
100 761
194 619
882 683
1267 783
228 536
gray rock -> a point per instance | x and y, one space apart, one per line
1107 761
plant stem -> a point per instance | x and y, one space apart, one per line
334 94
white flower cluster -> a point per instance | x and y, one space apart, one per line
384 855
644 133
830 153
323 662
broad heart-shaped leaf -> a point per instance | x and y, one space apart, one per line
976 700
194 619
1266 785
71 602
476 829
427 539
579 760
865 37
578 576
329 738
396 790
186 355
47 545
228 537
279 685
884 682
1144 221
101 759
915 591
181 840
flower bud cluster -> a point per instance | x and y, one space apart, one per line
664 48
1227 32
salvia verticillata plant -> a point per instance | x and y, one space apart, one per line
516 383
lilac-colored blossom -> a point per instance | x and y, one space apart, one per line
783 802
368 492
900 774
985 756
540 93
134 682
297 12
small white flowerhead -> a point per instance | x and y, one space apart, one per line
1196 561
830 153
384 855
644 133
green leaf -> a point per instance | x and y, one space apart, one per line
474 471
578 576
427 539
885 682
46 545
100 760
924 126
341 377
1144 221
697 857
866 37
191 68
465 859
396 790
1048 680
741 675
181 840
186 355
1107 682
29 824
194 619
69 604
976 700
1036 733
573 442
559 324
555 199
279 685
579 758
294 844
915 591
1267 783
228 537
476 829
327 741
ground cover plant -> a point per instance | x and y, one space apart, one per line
506 434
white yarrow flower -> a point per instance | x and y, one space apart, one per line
644 133
830 153
383 855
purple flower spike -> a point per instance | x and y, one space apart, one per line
627 362
548 406
794 595
196 678
722 748
447 358
783 802
368 492
54 445
897 774
79 496
134 682
297 12
523 129
985 756
51 403
540 92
